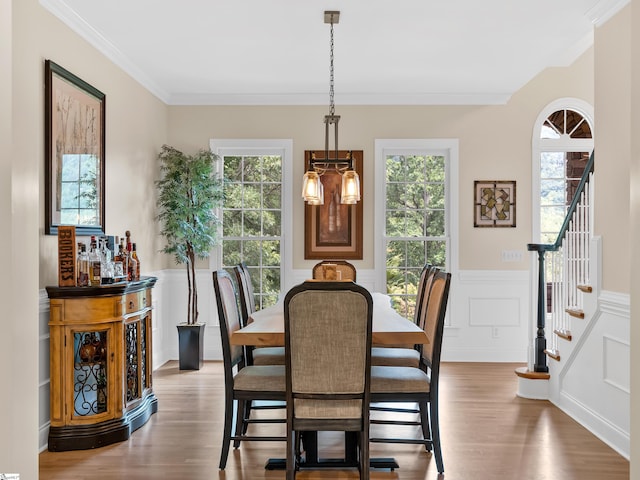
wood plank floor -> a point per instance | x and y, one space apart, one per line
487 433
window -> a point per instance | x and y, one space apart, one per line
563 141
78 190
253 231
415 210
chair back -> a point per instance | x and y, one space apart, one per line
424 290
229 318
433 319
426 276
245 291
346 269
328 349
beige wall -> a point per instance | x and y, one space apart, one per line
136 128
635 233
495 143
612 111
18 283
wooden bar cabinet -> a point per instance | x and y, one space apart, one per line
100 363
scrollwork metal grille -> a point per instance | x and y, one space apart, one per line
90 373
131 356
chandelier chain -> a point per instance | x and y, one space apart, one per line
332 107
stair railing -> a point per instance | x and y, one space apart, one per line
562 267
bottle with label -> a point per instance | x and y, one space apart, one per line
106 266
134 255
83 266
95 275
120 260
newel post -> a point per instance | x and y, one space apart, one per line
540 342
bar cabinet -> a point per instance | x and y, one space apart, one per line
100 363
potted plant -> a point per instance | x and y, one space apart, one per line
189 192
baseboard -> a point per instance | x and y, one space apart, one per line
609 433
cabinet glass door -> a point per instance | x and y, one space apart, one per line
90 373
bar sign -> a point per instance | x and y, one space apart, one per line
67 256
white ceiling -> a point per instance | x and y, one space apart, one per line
259 52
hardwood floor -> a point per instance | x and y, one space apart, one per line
487 433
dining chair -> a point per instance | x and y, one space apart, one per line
328 356
249 382
255 356
418 384
347 271
409 355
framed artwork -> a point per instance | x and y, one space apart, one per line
494 203
333 230
74 156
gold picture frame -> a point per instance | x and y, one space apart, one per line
494 203
333 230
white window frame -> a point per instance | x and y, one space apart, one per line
284 148
540 145
447 147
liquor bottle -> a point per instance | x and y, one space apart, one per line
106 265
95 276
133 264
83 266
134 255
121 259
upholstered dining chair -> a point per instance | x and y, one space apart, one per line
328 355
262 355
409 355
347 271
420 385
248 383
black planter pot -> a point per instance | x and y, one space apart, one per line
191 346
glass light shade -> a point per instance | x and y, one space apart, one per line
311 187
320 199
350 187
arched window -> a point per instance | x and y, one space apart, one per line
562 143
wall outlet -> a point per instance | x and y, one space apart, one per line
495 333
512 255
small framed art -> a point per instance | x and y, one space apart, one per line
494 203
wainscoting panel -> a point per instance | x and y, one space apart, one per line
593 386
488 317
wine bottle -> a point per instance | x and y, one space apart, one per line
134 255
83 266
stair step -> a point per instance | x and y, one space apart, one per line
524 372
555 354
566 334
585 288
575 312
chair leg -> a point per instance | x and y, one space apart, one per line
435 429
291 454
226 437
364 454
240 422
425 423
246 416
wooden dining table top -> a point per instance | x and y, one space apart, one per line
266 327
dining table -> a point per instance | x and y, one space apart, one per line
265 328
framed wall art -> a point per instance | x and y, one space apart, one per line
74 156
333 230
494 203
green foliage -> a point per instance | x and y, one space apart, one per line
252 221
188 194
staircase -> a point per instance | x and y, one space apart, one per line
567 271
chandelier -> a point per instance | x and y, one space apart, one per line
312 189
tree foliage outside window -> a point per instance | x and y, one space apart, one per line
251 221
79 189
415 223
